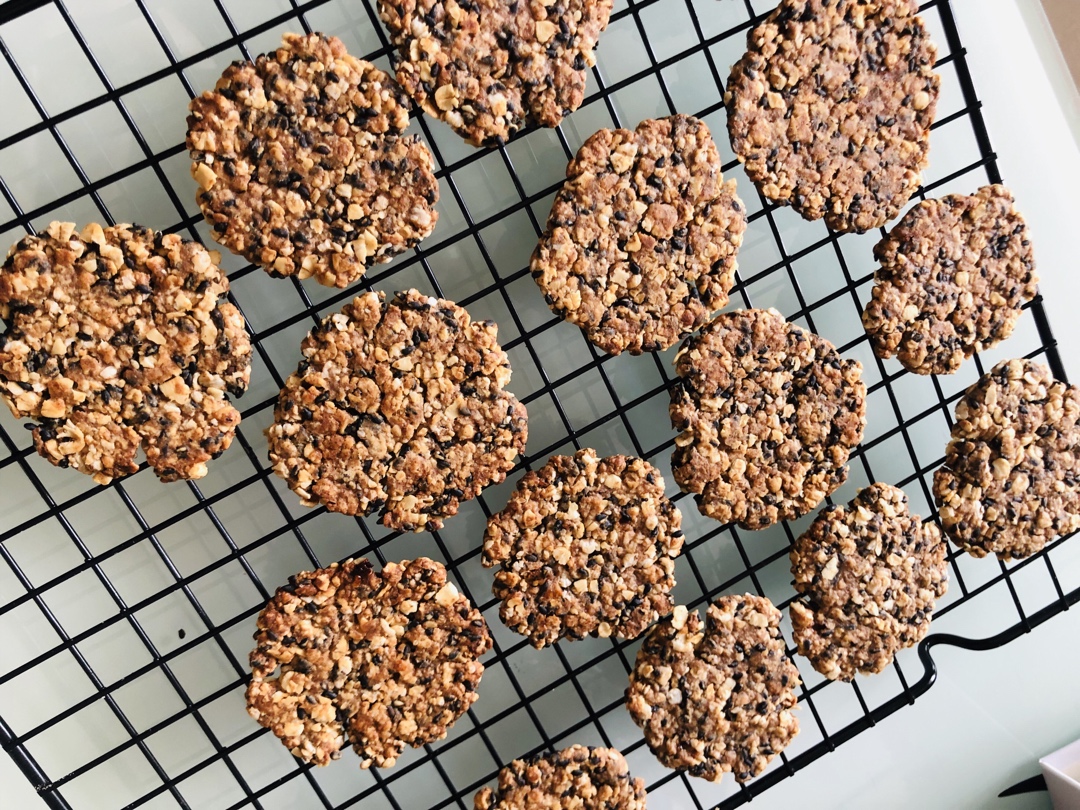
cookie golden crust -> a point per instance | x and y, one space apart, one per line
489 68
303 167
397 407
576 778
376 660
831 107
586 546
716 697
955 273
768 415
869 574
1011 479
117 339
641 243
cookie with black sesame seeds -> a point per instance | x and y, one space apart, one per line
641 243
586 546
303 165
121 338
830 108
488 67
717 696
345 655
576 778
955 273
397 407
868 575
768 414
1011 479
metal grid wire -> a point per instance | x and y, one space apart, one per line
126 611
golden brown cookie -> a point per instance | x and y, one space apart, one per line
641 241
869 574
489 68
716 697
119 338
380 661
830 109
768 415
397 407
586 547
303 165
1011 478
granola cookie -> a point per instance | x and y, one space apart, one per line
1011 479
586 547
119 338
768 412
954 275
576 778
830 109
869 574
303 167
397 408
380 661
641 241
717 697
489 68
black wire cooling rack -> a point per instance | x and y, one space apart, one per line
126 611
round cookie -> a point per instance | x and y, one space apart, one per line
119 338
576 778
954 275
397 408
302 164
586 547
830 109
381 661
716 698
768 415
641 241
868 574
1011 478
489 68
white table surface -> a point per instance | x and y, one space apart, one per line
991 715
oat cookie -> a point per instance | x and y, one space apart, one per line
869 574
954 275
302 164
489 68
641 241
576 778
830 109
380 661
119 338
768 412
1011 479
397 408
586 547
717 697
